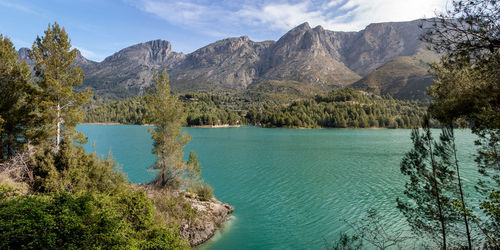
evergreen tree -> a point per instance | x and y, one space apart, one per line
429 191
16 109
165 112
467 87
447 150
56 76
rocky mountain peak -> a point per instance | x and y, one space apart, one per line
301 27
303 55
318 28
152 52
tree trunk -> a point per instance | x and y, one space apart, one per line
2 147
436 190
58 135
461 192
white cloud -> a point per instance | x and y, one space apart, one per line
354 14
205 18
214 19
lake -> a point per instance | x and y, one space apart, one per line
291 188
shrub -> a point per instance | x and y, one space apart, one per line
85 220
72 170
204 191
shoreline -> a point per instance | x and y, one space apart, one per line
233 126
215 126
212 215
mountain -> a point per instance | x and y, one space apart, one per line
306 55
128 71
226 64
79 60
321 59
404 77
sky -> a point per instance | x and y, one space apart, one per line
99 28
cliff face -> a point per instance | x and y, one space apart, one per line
227 64
306 55
313 56
381 42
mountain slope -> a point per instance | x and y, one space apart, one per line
303 55
404 77
227 64
128 71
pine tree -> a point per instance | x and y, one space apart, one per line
430 189
57 76
447 151
467 87
165 112
16 109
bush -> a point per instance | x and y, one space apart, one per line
72 170
204 191
173 209
84 220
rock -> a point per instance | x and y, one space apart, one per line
215 213
210 217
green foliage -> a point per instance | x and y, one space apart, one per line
344 108
467 87
166 114
84 220
491 227
6 191
194 168
201 109
56 76
430 189
172 209
204 191
338 109
16 108
72 170
211 109
76 200
127 111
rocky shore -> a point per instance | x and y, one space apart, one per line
214 214
205 218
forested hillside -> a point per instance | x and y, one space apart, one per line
343 108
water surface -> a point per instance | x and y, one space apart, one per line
291 189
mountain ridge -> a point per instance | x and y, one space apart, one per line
324 58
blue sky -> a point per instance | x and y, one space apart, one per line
100 28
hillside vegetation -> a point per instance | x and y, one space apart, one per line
343 108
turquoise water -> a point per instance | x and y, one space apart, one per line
291 189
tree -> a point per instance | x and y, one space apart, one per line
447 150
56 75
16 109
467 87
429 191
166 114
469 29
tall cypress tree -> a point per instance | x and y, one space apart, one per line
56 76
15 107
